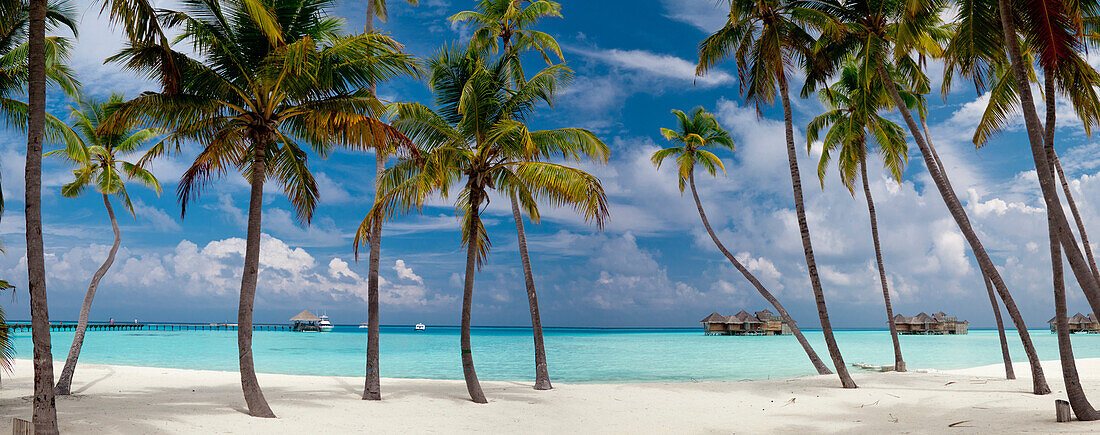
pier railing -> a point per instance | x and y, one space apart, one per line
149 327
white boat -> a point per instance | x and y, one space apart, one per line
325 325
420 327
363 326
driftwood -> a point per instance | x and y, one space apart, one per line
1062 411
21 427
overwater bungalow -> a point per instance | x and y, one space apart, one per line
305 321
1079 323
762 323
936 324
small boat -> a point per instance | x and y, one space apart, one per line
363 325
421 327
324 324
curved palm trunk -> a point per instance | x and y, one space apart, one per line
65 381
1039 383
1076 214
253 396
472 385
542 374
1009 372
1081 270
45 409
1074 392
372 387
899 363
822 369
372 390
807 248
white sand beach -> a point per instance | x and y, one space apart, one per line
118 399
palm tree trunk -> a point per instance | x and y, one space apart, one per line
1074 392
372 390
822 369
1076 214
899 363
542 374
807 248
65 381
253 396
1039 384
372 387
1077 263
1009 372
45 409
472 385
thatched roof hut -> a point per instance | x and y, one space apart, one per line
924 318
305 316
1077 319
743 317
714 318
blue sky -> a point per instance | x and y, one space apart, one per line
651 266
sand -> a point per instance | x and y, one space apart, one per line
120 399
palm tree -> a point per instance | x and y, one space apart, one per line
852 118
1074 392
478 137
765 36
1003 97
504 19
267 79
883 32
696 133
508 22
32 29
99 155
1069 74
1053 30
372 387
44 417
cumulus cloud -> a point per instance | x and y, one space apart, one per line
286 273
406 273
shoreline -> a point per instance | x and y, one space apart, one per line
577 356
130 399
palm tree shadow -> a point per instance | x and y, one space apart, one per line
345 385
110 372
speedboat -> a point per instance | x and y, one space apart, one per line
324 324
363 325
421 327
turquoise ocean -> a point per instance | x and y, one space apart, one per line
575 355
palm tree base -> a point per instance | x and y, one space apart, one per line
543 385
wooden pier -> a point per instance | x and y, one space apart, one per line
148 327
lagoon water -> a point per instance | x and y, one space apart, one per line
575 355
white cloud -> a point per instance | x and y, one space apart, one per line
406 273
158 218
214 270
656 65
705 15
